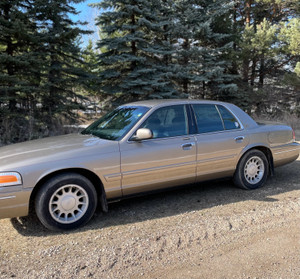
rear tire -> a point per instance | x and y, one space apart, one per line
65 202
252 170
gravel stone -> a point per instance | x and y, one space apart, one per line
208 230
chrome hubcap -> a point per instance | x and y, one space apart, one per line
68 204
254 170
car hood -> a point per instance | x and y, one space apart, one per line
53 148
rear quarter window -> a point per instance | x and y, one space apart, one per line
229 120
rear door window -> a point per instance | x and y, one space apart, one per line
208 118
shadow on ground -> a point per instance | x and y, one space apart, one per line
189 198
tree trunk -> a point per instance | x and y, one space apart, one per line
234 69
262 71
166 57
253 71
248 11
185 82
133 43
245 70
9 66
50 102
248 21
203 90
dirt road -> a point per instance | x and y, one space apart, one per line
210 230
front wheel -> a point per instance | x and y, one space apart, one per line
66 201
252 170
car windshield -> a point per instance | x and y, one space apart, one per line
114 125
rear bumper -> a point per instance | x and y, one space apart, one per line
14 201
285 154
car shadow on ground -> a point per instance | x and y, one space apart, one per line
197 197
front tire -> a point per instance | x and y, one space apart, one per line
252 170
66 201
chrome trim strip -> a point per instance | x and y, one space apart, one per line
286 151
113 177
215 158
219 132
8 197
161 168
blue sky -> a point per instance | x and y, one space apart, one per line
87 14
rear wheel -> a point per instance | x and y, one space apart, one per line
252 170
66 201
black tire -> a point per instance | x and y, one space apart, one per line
65 202
252 170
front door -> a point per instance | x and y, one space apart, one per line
168 159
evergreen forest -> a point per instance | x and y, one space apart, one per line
242 51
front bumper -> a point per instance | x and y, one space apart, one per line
14 201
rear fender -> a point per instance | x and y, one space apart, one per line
262 147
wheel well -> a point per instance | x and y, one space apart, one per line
268 154
86 173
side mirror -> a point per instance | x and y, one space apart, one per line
142 134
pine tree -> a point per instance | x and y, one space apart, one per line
89 57
162 49
202 44
40 67
264 32
134 60
19 70
260 47
63 61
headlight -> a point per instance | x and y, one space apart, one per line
10 179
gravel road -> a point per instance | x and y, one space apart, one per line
209 230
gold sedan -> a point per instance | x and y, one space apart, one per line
138 147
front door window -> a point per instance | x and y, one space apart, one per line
168 121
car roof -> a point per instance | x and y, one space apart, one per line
158 102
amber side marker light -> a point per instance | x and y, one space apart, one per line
10 179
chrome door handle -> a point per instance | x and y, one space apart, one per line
240 138
187 146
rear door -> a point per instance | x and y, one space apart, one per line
220 139
168 159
